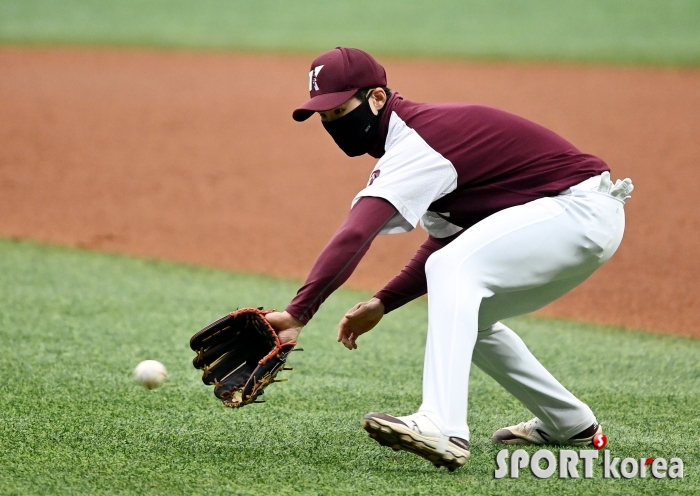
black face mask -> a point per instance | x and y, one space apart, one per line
356 132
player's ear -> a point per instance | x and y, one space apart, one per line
378 98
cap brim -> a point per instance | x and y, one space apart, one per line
320 103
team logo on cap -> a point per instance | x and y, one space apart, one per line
313 74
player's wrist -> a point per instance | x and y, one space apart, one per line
377 302
293 314
293 320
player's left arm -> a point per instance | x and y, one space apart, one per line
334 265
408 285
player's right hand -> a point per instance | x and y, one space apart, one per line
358 320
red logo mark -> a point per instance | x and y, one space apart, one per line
648 462
373 176
599 441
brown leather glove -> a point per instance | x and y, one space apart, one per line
240 355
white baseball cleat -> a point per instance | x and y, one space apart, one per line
418 435
534 432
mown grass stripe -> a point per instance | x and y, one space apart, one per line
609 31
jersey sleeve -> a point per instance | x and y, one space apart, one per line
411 281
341 256
411 175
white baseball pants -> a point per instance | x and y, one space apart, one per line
514 262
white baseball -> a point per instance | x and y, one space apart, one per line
150 374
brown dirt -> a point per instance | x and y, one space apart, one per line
195 158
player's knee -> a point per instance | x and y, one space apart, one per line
437 262
446 264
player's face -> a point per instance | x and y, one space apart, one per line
340 110
377 99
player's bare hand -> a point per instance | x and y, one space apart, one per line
358 320
288 328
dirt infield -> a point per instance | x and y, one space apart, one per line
195 158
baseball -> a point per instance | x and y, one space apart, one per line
150 374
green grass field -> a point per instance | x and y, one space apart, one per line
72 421
611 31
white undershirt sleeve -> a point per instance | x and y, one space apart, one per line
411 175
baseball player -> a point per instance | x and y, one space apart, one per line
516 217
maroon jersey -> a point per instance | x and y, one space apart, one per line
445 166
462 162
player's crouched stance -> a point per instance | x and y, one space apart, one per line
516 217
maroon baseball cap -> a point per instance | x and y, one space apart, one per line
336 76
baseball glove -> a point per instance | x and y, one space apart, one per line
240 355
